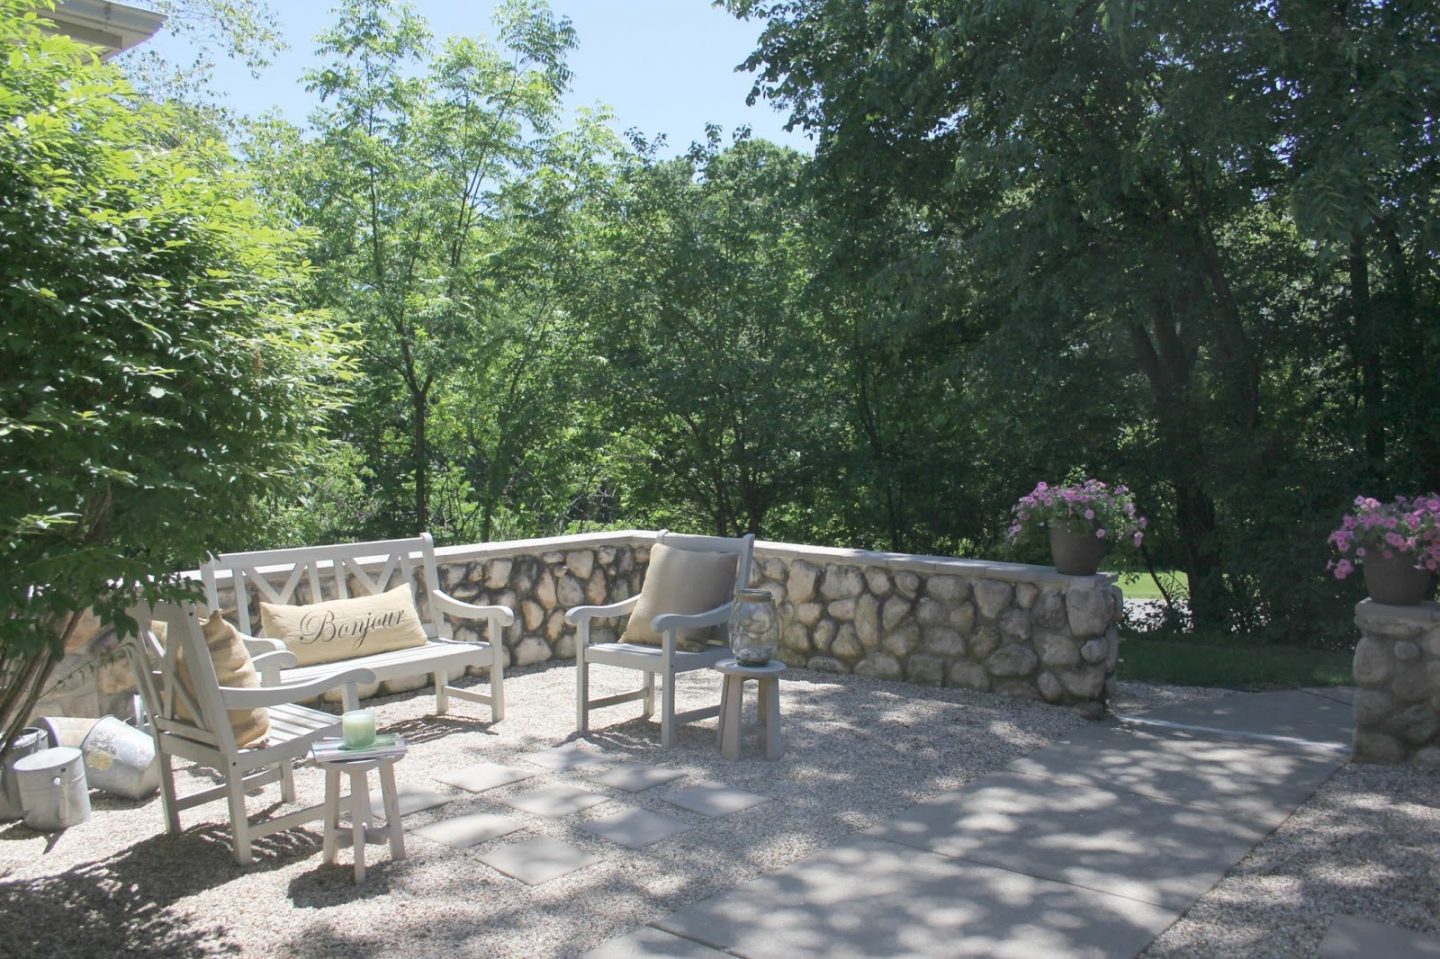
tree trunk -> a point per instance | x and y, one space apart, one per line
421 448
1368 359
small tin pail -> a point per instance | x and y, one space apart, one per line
30 741
52 789
120 759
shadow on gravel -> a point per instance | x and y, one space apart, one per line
120 906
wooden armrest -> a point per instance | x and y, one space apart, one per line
270 663
446 603
259 645
685 621
236 697
577 613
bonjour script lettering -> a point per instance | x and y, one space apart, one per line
322 627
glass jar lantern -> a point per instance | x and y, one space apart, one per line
754 627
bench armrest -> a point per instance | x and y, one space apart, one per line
578 614
445 603
236 697
270 664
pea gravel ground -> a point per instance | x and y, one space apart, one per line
858 751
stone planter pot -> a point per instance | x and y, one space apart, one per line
1396 581
1076 554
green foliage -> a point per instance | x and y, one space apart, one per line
715 377
156 378
1184 243
412 183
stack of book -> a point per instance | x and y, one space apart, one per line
333 748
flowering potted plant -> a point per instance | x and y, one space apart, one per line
1396 543
1084 520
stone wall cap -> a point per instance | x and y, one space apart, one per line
1426 612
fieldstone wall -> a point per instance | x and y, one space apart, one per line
1397 679
1018 630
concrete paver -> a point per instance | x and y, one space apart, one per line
867 897
1352 938
1089 847
1104 839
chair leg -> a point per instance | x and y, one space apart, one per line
168 799
497 684
239 820
667 709
649 701
442 698
287 781
582 695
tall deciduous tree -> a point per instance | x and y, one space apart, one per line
1110 182
406 186
155 375
716 376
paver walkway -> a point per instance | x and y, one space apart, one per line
1090 847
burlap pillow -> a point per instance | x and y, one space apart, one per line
233 667
680 581
345 628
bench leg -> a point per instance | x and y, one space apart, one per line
582 695
442 698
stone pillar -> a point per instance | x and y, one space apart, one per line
1397 675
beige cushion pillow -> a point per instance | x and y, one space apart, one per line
233 667
345 628
680 581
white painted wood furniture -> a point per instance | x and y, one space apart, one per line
207 738
358 804
319 573
666 660
767 706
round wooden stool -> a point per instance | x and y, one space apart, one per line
767 691
361 831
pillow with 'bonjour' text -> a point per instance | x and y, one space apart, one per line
345 628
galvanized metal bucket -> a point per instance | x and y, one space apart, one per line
66 730
30 741
52 789
120 759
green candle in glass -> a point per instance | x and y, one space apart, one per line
358 728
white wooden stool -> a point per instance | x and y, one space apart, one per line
767 703
361 831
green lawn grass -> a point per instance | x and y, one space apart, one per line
1142 585
1231 664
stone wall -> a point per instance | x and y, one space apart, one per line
1397 679
1019 630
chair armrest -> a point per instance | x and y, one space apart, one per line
270 664
236 697
259 645
577 613
446 603
685 621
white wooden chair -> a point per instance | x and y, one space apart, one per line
364 569
665 660
201 732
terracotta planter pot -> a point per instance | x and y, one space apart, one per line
1076 554
1396 581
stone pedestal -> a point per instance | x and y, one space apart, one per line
1397 679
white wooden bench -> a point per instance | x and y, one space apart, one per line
315 573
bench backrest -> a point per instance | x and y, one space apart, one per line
312 574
